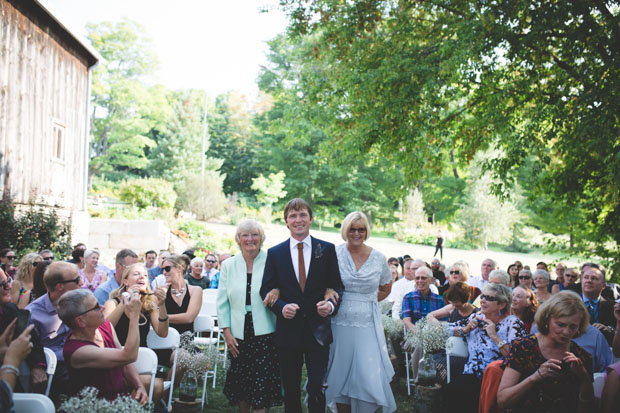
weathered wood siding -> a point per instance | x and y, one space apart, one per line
43 83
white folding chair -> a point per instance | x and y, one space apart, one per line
209 307
51 360
410 378
147 364
455 347
32 403
171 342
204 324
599 383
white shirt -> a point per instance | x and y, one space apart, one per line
477 281
210 273
295 254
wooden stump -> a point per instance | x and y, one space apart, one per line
427 399
186 407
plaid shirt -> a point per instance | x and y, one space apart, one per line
416 306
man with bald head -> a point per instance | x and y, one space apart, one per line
59 277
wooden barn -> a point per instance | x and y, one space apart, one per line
45 71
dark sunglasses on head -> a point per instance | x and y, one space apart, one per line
96 307
211 261
358 230
488 297
167 268
6 284
74 280
524 277
457 272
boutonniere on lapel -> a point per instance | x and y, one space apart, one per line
318 253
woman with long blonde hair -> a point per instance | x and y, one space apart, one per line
22 286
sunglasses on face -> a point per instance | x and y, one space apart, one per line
211 261
358 230
75 280
10 257
488 297
96 307
167 268
524 277
48 258
6 284
457 272
570 276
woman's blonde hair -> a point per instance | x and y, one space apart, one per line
148 300
562 304
355 217
463 267
248 225
25 269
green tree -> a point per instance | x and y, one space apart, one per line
123 106
413 80
269 190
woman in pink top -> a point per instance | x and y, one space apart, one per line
90 275
93 355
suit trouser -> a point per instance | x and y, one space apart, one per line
291 362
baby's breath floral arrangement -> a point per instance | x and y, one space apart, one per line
391 327
386 306
427 335
87 401
196 360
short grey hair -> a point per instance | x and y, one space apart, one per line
542 272
71 304
248 225
502 293
195 260
526 272
88 253
501 275
427 271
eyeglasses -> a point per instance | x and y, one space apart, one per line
524 277
421 278
6 284
488 297
457 272
167 268
569 275
49 258
74 280
211 261
96 307
10 257
358 230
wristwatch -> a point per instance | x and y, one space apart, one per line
501 344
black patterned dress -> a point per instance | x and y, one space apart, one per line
254 375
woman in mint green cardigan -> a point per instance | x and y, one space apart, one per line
253 379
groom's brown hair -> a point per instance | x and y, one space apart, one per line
297 204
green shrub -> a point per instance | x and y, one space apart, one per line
202 196
33 228
146 192
205 238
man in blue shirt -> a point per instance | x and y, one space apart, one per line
124 258
601 310
421 301
155 271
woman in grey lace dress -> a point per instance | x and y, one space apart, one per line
359 370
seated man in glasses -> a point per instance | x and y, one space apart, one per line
420 302
47 255
93 355
59 278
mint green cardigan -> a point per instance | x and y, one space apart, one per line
231 308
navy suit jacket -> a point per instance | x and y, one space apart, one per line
323 273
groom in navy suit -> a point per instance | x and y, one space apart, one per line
302 268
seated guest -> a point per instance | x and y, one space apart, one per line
59 278
610 399
525 279
124 258
497 277
489 334
7 260
38 286
570 278
403 286
77 255
541 282
22 285
149 259
394 273
211 273
601 310
420 302
524 306
459 307
92 353
459 272
156 271
547 371
12 353
152 313
92 277
195 276
36 359
437 273
513 271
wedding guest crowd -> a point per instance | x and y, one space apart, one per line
534 343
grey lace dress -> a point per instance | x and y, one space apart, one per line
359 370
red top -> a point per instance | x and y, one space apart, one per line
109 381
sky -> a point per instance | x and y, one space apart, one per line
217 45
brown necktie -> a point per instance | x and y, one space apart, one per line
302 266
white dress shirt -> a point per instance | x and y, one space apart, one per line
295 254
477 281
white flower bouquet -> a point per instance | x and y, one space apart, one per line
195 360
427 335
87 401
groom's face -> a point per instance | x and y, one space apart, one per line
298 223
